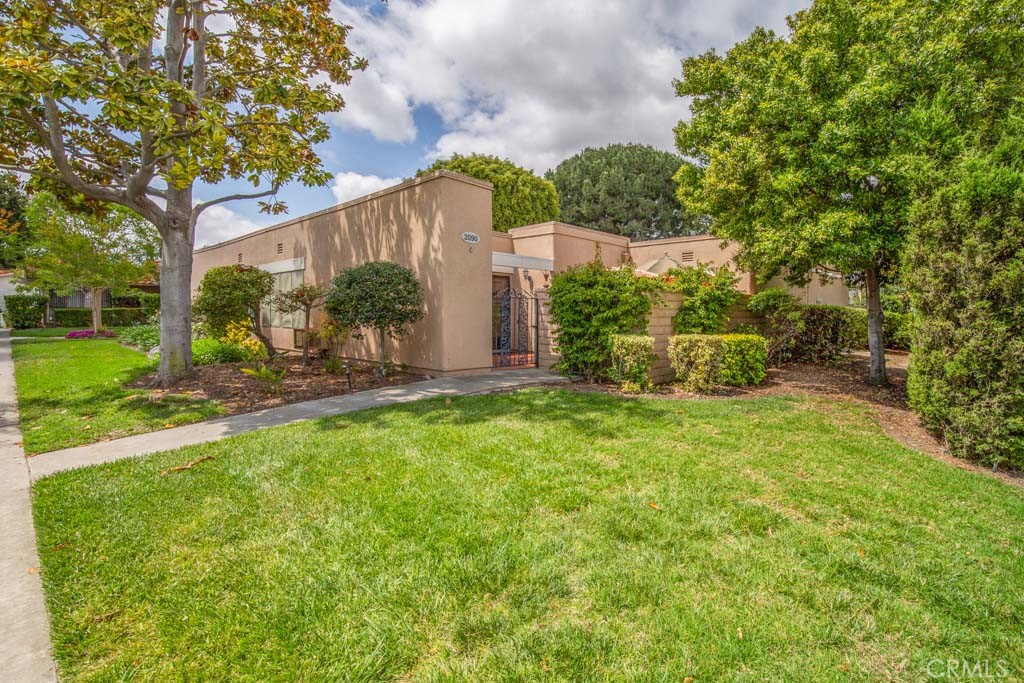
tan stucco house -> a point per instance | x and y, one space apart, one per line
480 285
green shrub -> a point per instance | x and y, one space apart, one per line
212 352
150 303
270 378
22 311
704 361
897 329
381 296
144 337
708 294
813 333
112 317
589 305
965 269
632 356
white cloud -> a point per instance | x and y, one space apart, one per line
376 106
219 223
348 186
536 80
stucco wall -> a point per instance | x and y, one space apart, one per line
568 245
418 224
832 290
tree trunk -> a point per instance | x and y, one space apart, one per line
175 305
96 301
257 329
305 337
383 353
876 343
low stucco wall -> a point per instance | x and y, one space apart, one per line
418 224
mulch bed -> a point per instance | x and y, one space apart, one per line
240 393
847 381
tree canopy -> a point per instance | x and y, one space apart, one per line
809 145
70 250
626 190
148 103
520 197
14 230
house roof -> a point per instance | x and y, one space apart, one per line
662 264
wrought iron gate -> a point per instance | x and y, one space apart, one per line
514 329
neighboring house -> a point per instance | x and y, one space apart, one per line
82 299
480 286
7 286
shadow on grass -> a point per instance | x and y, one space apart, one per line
586 413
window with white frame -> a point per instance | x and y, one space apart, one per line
284 282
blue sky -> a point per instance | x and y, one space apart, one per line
531 80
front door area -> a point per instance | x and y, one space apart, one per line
514 321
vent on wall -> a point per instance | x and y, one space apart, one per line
686 257
239 258
280 247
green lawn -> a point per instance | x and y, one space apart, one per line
538 535
69 393
50 331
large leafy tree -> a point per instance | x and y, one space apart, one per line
797 140
135 102
812 147
626 190
14 230
87 250
520 197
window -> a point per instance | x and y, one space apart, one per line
284 282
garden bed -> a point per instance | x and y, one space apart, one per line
237 392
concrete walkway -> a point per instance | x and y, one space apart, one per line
24 628
212 430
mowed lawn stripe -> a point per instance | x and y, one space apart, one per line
545 533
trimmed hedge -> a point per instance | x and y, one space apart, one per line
112 317
704 361
150 304
632 357
22 311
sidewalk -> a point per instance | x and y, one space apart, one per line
108 451
24 628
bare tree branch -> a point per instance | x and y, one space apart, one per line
199 208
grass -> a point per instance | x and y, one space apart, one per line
70 393
538 535
37 332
